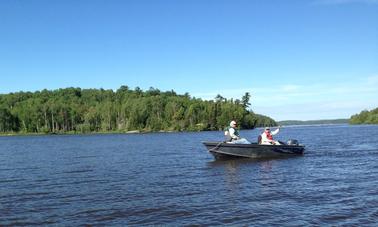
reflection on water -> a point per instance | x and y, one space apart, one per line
118 180
265 173
260 175
232 176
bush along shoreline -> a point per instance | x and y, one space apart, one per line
365 117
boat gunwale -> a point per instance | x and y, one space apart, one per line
236 145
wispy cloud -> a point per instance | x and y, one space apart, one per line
372 80
306 102
342 2
290 88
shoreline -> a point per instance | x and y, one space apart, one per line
160 131
91 133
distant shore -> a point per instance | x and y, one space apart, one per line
85 133
145 131
65 133
314 122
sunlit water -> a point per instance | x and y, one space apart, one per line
170 179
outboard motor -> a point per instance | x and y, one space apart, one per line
292 142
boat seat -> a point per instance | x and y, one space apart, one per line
259 138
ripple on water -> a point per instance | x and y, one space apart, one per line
170 179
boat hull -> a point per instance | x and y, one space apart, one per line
222 150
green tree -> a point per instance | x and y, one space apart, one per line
99 110
365 117
8 123
245 100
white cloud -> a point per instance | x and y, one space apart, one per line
308 102
372 80
290 88
342 2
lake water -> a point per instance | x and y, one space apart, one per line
171 179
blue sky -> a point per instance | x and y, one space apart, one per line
300 59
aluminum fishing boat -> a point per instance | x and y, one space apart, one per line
222 150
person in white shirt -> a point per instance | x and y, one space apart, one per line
232 134
267 136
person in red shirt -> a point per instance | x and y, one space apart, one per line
267 136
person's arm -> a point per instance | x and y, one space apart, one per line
275 132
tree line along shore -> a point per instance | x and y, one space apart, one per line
365 117
76 110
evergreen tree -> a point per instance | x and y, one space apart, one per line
97 110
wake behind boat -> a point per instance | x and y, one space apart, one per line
230 150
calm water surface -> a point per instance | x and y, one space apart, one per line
170 179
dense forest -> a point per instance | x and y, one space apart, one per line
365 117
76 110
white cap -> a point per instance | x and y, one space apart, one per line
266 128
232 123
